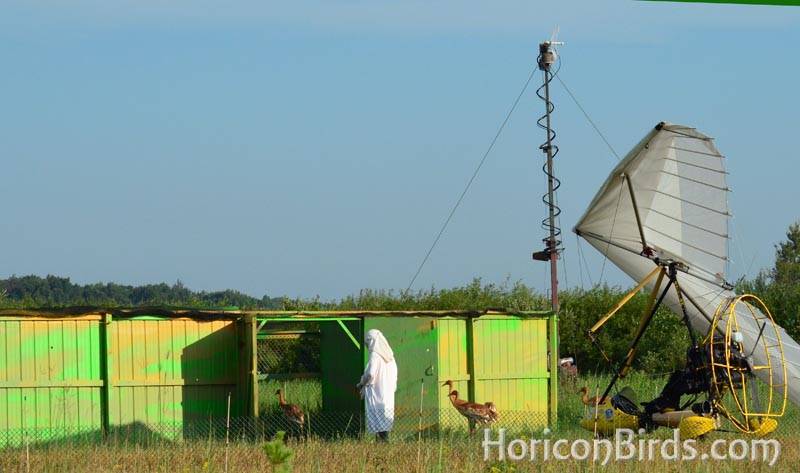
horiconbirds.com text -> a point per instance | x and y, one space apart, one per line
626 447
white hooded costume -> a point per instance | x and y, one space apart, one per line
379 383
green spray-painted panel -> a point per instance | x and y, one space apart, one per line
340 365
415 346
170 371
511 367
84 374
454 354
498 358
453 350
50 379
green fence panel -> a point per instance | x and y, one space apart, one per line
50 378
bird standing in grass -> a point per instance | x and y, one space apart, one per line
292 412
479 413
593 401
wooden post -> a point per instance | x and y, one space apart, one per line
554 364
105 372
473 376
248 366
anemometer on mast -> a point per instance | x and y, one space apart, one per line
547 56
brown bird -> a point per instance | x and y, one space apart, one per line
479 413
592 401
450 384
291 411
492 412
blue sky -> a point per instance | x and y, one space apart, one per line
316 148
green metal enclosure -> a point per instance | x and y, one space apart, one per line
84 372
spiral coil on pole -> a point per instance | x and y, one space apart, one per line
547 56
552 243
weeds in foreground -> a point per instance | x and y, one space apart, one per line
448 450
458 453
278 453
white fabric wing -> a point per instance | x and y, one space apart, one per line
676 178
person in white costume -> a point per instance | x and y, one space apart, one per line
378 385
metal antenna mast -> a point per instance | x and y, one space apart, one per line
547 56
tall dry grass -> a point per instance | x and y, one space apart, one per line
458 454
449 451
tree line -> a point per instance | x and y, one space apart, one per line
27 292
778 287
